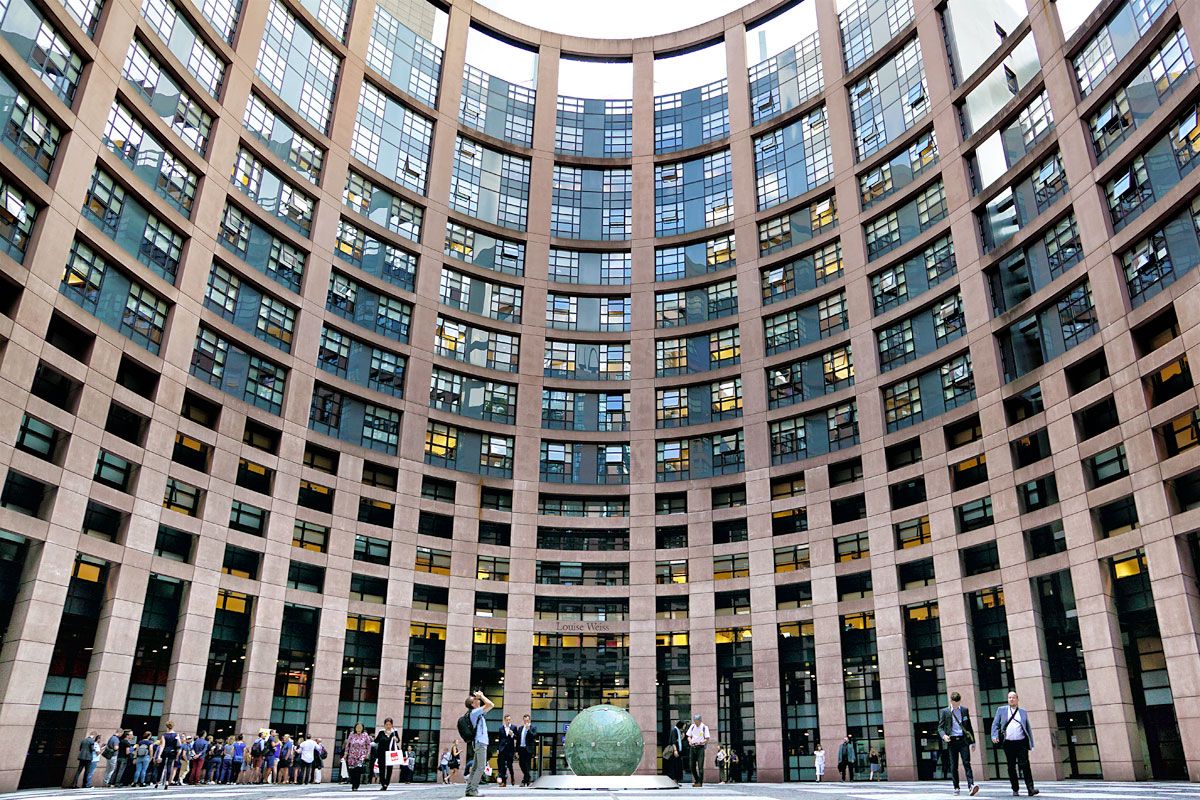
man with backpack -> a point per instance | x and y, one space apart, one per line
472 727
258 751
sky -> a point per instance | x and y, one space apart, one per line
632 18
613 19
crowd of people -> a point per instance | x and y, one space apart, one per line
172 759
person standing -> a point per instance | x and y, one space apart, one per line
477 707
238 759
956 730
873 763
506 751
388 738
319 756
109 754
304 763
698 737
455 762
408 765
677 742
1011 726
141 759
271 747
169 746
285 755
672 754
199 752
846 758
357 754
819 761
527 742
722 763
444 766
124 760
88 758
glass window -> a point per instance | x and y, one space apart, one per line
301 70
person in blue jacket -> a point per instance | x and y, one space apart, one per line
1011 730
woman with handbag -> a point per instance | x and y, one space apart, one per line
387 740
357 750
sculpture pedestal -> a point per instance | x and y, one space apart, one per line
609 783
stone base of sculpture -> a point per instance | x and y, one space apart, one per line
609 783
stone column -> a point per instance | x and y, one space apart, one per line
1177 603
28 647
1117 732
189 657
103 703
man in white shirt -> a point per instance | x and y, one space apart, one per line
306 748
1011 726
697 736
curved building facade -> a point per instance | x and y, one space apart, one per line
795 368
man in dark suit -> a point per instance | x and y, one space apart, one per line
506 750
1011 726
847 759
526 748
954 726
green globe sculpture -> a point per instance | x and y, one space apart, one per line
604 740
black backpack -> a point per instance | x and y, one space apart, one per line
466 728
256 749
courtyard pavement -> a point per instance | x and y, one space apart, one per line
769 791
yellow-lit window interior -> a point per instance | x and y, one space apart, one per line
310 536
720 251
1184 432
827 262
419 630
838 365
791 630
88 570
824 212
671 571
234 602
490 568
441 441
357 622
862 621
790 559
851 547
731 566
990 598
436 562
913 533
727 396
450 336
196 445
679 639
922 612
489 636
724 345
315 488
1128 564
732 635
